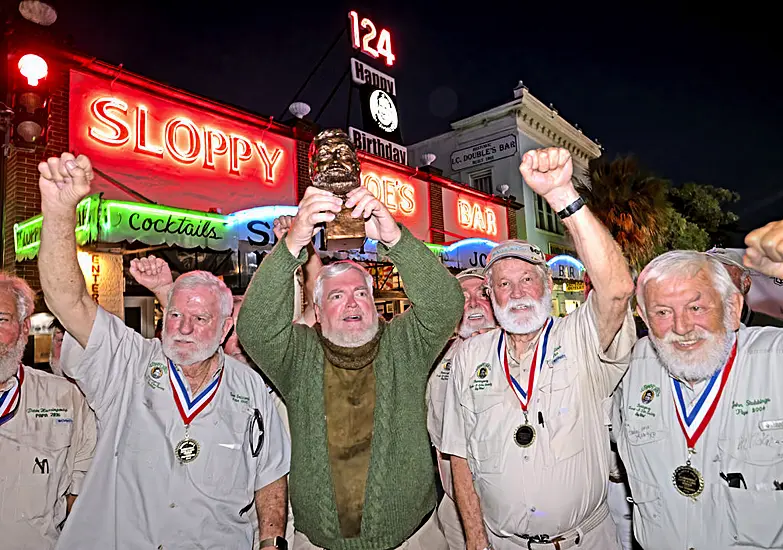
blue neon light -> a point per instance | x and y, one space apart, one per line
567 259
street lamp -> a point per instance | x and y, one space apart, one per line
38 11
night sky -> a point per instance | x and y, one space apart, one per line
693 94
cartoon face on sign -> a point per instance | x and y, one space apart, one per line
383 110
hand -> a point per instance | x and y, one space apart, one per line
281 225
765 249
548 173
64 182
317 206
379 223
151 272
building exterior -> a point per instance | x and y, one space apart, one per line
199 183
484 151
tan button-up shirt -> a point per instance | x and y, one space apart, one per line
554 485
138 494
745 436
45 451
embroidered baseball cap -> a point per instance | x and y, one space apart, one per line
516 248
473 272
730 257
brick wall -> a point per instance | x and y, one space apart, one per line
22 198
512 222
436 213
302 168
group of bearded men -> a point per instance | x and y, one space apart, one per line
186 447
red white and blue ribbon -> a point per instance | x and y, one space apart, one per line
190 408
9 399
694 421
535 366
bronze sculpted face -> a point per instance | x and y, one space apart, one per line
334 165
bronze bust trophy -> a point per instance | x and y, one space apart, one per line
334 167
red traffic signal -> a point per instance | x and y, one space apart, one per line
30 102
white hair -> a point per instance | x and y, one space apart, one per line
197 279
685 263
333 270
23 295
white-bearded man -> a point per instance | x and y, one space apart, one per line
525 415
699 416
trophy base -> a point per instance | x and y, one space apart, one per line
344 232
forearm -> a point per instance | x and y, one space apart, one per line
435 293
311 269
69 502
62 281
271 507
264 324
468 505
162 294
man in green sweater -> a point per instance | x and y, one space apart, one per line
361 469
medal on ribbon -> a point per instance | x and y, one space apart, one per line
187 450
688 480
525 434
10 398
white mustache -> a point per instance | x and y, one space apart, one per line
695 335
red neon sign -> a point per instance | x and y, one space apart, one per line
469 216
383 46
407 198
177 154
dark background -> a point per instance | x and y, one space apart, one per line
693 92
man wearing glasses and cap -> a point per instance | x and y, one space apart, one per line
477 317
524 420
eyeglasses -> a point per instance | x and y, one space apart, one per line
256 433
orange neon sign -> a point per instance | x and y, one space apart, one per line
398 196
471 215
116 124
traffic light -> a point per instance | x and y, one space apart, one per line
31 102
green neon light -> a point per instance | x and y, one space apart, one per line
162 211
82 212
436 249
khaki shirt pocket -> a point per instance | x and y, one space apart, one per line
647 507
485 439
563 419
754 512
227 466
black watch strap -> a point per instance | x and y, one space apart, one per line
571 208
277 542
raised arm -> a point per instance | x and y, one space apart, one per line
548 173
435 295
64 182
310 269
153 274
765 249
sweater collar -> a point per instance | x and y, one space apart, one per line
351 358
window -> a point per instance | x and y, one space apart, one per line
546 218
482 181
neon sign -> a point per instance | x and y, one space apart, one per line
178 151
179 139
383 47
396 195
471 215
467 215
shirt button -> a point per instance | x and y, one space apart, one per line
533 510
526 458
172 505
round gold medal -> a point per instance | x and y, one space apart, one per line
524 435
688 481
187 450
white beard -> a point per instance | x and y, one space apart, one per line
351 339
203 351
532 319
696 365
467 329
10 358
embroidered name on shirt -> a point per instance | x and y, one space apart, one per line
750 406
43 412
155 372
557 356
242 399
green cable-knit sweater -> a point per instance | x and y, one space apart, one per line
400 483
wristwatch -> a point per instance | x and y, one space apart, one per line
277 542
571 208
